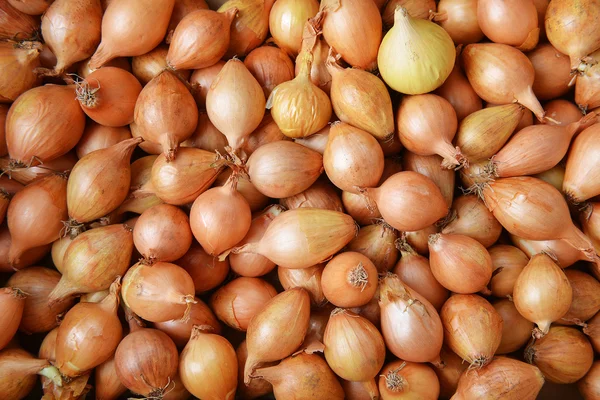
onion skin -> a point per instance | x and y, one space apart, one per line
510 22
581 182
508 263
257 387
401 379
516 330
562 111
591 226
270 66
19 61
588 385
314 44
419 240
503 378
71 30
459 19
202 79
141 193
180 10
420 9
304 376
13 304
472 328
206 136
586 86
38 282
320 194
552 72
31 120
286 23
500 74
96 137
180 332
473 219
27 175
563 355
410 324
590 328
349 280
3 112
35 215
459 93
147 66
430 167
377 243
362 212
256 200
449 375
200 40
277 330
586 297
125 35
108 385
250 27
18 371
16 24
542 293
267 132
306 278
360 390
554 176
28 258
206 271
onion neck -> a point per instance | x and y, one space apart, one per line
110 303
273 374
580 241
528 99
53 374
305 61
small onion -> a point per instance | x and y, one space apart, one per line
257 387
358 208
377 243
206 271
586 86
250 27
18 371
403 379
430 167
96 137
586 297
16 23
367 390
458 91
508 262
286 23
420 9
449 375
349 280
147 66
320 194
554 176
589 385
206 136
267 132
562 111
551 72
270 66
313 43
313 341
459 19
13 304
473 219
19 63
581 182
560 251
27 175
141 193
512 22
180 331
202 79
108 385
419 240
516 330
28 258
306 278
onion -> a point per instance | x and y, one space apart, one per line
320 194
28 258
16 24
313 341
400 69
410 324
402 379
88 335
32 121
256 200
286 23
303 237
257 387
430 167
250 27
414 270
235 102
202 79
501 74
277 330
162 233
591 225
459 19
207 272
27 175
170 120
200 40
586 87
270 66
31 7
314 44
473 219
18 61
141 193
405 207
554 176
96 137
93 260
581 182
361 100
353 29
508 263
95 297
99 183
542 293
561 252
367 390
349 280
278 177
13 304
299 107
3 112
306 278
419 9
108 385
206 136
71 30
359 209
563 355
562 111
147 353
452 369
84 70
419 240
503 378
38 282
125 34
180 10
511 22
459 93
483 133
586 297
158 292
516 330
460 263
426 126
267 132
472 328
147 66
18 371
208 366
591 329
588 385
377 243
352 159
551 72
181 181
253 265
180 332
35 215
539 212
571 30
238 301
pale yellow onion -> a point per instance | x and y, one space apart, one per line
286 22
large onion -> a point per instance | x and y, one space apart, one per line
512 22
581 181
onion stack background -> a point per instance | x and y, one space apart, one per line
357 199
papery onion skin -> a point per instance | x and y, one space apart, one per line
420 9
510 22
458 91
473 219
552 72
472 328
206 136
180 332
430 167
202 79
313 43
586 86
256 200
306 278
508 263
450 374
516 330
286 23
360 390
589 385
13 304
267 132
320 194
402 379
503 378
16 24
257 387
19 62
586 297
28 258
250 27
108 385
349 280
560 251
147 66
96 137
27 175
362 212
581 181
270 66
377 242
459 19
19 369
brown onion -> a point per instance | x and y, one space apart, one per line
401 379
267 132
250 27
367 390
542 293
551 72
96 137
430 167
563 355
19 62
286 23
508 263
349 280
256 200
591 329
206 271
586 87
419 240
13 304
420 9
28 258
512 22
501 74
359 209
202 79
459 19
270 66
16 24
180 10
3 113
377 243
306 278
581 182
586 297
516 330
591 225
560 251
313 341
320 194
257 387
206 136
473 219
238 301
31 7
472 328
277 330
147 66
459 93
18 371
589 385
124 34
562 111
180 331
452 369
108 385
141 193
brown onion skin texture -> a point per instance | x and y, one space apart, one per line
591 226
419 240
503 378
257 387
206 271
206 136
250 27
586 86
19 369
516 330
286 23
239 300
270 66
450 374
147 352
360 390
417 381
125 35
183 8
27 129
267 132
591 329
473 219
472 328
306 278
581 181
563 355
320 194
108 385
313 341
457 90
180 332
3 112
418 9
31 7
430 167
278 329
356 206
586 297
552 72
304 376
15 23
20 64
377 242
202 79
349 280
13 304
589 385
510 22
27 175
563 111
460 20
147 66
96 137
38 282
508 262
256 200
28 258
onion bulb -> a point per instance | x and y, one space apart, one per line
306 278
250 27
458 91
148 66
508 263
459 19
512 22
516 330
286 23
586 86
19 62
27 175
28 258
207 272
206 136
18 371
551 72
13 304
321 194
377 243
257 387
415 75
402 379
449 375
589 385
108 385
96 137
16 24
472 328
581 181
559 250
270 66
349 280
473 219
586 297
267 132
542 293
313 43
141 193
420 9
359 209
430 167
